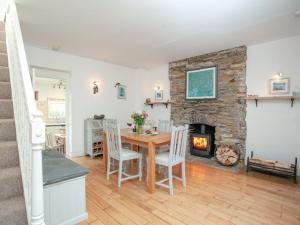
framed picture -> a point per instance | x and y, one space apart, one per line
122 92
201 83
159 95
279 86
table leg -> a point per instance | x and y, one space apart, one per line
151 167
104 149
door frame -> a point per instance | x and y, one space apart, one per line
66 76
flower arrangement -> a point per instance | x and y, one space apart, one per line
139 120
139 117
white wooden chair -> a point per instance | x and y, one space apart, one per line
109 121
164 125
52 145
116 152
175 156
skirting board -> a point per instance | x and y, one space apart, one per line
76 220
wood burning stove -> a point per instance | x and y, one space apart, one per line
202 140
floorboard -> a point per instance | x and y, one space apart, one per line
212 197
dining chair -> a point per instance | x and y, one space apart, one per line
116 152
165 126
52 145
174 157
109 121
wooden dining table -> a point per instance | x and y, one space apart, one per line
149 142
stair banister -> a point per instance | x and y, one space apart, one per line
30 127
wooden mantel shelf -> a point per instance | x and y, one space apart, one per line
158 103
256 98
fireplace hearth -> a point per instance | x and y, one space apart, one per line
202 138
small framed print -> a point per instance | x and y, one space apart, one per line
279 86
159 95
122 92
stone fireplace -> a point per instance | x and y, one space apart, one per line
227 113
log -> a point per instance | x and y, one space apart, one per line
227 156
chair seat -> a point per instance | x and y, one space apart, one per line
162 158
163 148
128 154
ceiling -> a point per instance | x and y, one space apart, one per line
146 34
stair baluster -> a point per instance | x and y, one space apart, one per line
30 128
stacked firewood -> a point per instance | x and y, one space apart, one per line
226 155
272 164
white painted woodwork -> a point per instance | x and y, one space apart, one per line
30 127
65 202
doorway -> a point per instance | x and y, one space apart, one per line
52 96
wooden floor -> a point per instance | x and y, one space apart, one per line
213 196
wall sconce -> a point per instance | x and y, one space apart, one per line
95 87
156 88
278 75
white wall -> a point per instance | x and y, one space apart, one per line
273 128
146 81
46 90
83 103
3 7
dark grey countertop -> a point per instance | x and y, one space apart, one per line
57 168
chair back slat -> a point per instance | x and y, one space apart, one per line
113 139
109 121
178 144
165 126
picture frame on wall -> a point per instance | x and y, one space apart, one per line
158 95
201 83
122 92
279 86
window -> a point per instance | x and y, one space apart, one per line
56 109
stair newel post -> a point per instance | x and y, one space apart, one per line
37 195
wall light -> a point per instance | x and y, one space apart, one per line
156 88
95 87
278 75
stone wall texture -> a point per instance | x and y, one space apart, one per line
228 111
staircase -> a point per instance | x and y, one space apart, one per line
12 204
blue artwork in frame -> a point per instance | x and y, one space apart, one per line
201 83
